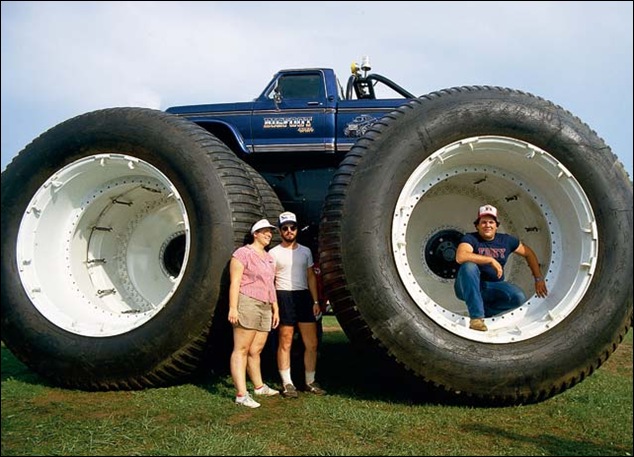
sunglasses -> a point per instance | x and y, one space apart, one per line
286 228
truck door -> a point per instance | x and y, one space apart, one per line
293 115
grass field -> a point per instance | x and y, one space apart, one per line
364 414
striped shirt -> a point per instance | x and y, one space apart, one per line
258 277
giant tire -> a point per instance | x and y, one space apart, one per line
217 358
406 192
117 230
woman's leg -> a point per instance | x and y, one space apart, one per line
253 357
242 340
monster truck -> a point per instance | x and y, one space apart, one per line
118 225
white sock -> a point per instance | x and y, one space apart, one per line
310 377
286 376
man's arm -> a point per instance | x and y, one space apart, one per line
533 264
312 287
465 253
531 259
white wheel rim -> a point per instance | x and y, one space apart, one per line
96 245
538 200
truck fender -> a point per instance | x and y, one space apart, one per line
228 134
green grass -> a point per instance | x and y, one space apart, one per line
358 417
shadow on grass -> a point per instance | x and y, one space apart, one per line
342 370
550 444
12 368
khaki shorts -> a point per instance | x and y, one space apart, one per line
254 314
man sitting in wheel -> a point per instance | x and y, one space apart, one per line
480 280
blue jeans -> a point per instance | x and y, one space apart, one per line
485 298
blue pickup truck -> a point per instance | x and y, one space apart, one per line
118 226
298 130
299 111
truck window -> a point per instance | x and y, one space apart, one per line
301 86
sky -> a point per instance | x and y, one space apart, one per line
62 59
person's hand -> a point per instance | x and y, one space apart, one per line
233 315
276 319
317 311
498 268
540 288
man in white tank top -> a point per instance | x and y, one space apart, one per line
296 288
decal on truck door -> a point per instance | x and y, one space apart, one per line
302 124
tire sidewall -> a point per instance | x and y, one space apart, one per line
157 139
371 274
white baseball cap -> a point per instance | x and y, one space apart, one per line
259 225
286 217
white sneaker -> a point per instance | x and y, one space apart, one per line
247 401
266 391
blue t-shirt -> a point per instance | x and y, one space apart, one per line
500 248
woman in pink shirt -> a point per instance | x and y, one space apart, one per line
253 311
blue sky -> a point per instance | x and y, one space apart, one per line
62 59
